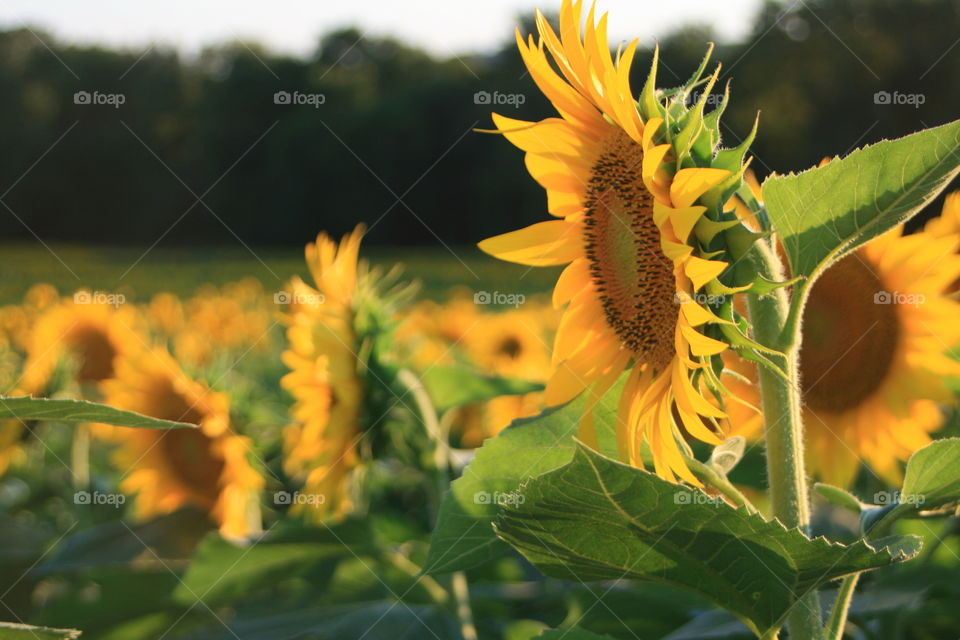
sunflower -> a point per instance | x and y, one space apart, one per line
206 468
876 328
218 320
637 192
320 447
91 333
511 344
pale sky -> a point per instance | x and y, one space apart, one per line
292 26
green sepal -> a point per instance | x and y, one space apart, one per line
732 159
648 104
762 286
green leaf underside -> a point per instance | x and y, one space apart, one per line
463 537
597 519
824 213
934 473
14 631
454 386
62 410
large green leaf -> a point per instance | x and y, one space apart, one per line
598 519
221 570
463 537
933 475
825 212
14 631
454 386
61 410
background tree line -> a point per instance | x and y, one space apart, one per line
392 142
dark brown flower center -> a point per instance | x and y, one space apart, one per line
633 277
188 451
510 347
851 329
94 353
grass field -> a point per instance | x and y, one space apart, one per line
183 270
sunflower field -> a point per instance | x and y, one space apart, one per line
719 408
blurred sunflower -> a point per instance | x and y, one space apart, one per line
511 344
430 333
876 328
621 177
92 334
205 468
320 447
217 320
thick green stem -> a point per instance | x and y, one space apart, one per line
80 456
783 424
441 462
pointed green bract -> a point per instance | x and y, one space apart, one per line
597 519
826 212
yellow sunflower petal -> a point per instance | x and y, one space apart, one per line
542 244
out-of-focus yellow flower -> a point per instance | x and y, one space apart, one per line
510 344
875 331
320 446
235 317
165 313
207 468
94 334
17 319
